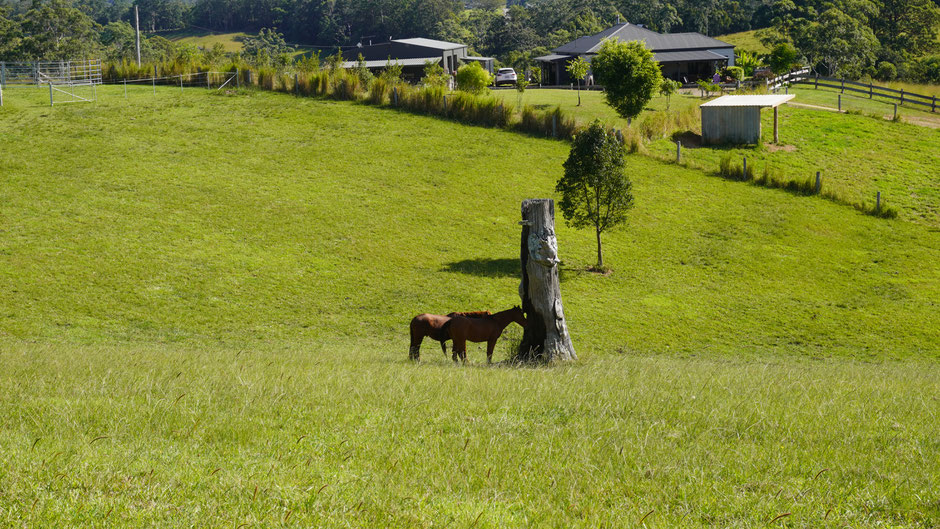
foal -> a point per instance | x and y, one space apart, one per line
486 329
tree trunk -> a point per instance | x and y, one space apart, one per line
600 253
546 334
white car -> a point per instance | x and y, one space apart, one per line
505 76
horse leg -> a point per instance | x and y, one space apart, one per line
490 345
444 347
460 350
414 352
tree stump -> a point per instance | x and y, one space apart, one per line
546 334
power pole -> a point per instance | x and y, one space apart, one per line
137 27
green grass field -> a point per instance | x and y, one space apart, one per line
841 147
207 297
206 39
745 41
232 42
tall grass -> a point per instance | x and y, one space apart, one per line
553 124
771 178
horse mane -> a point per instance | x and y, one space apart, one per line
475 314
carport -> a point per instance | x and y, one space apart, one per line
736 119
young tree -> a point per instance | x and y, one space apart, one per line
578 69
629 74
521 84
668 88
594 189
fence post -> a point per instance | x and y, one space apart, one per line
895 111
818 183
840 102
296 86
3 73
1 94
208 86
817 81
153 79
678 152
744 169
125 88
902 97
395 95
238 78
933 106
51 103
36 71
181 83
843 85
871 90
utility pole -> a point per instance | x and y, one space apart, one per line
137 27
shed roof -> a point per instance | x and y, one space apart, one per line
431 43
762 101
696 55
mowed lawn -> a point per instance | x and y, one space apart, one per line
205 311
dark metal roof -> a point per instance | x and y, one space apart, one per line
655 41
696 55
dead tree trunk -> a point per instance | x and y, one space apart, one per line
546 335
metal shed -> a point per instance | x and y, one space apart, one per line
736 119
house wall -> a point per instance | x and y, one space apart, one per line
732 125
727 52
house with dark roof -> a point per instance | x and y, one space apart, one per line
412 54
684 57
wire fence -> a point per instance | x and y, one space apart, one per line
50 72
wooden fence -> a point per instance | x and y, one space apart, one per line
871 90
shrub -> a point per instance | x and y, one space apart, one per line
434 74
734 72
782 58
473 78
886 71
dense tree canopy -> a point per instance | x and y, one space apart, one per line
864 33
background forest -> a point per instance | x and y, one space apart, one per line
881 38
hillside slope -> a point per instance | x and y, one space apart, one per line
270 218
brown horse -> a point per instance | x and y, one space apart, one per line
486 329
433 325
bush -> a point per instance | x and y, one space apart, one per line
473 78
734 72
782 58
886 71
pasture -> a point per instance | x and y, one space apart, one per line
206 309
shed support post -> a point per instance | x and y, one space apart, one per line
776 127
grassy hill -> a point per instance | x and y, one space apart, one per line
207 297
206 39
745 41
232 42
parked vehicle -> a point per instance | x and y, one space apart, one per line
505 76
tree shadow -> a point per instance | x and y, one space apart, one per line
485 267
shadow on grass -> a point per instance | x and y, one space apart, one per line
485 267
